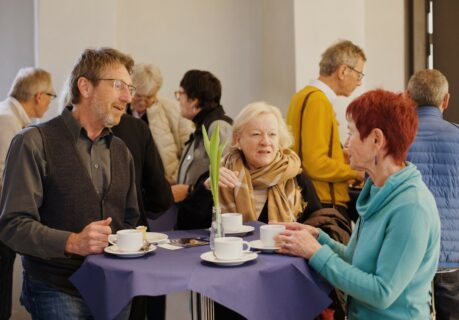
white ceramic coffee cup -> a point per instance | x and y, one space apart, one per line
268 232
230 248
129 240
231 222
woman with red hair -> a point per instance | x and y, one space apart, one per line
388 265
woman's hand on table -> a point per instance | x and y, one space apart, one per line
228 179
299 242
296 226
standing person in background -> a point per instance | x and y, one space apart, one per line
29 97
153 194
315 128
199 97
71 183
169 129
435 152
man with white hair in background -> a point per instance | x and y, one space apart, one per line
29 97
435 152
169 129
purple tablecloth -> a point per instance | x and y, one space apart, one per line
271 287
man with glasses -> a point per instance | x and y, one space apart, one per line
169 129
29 97
315 128
69 184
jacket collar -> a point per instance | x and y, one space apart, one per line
429 111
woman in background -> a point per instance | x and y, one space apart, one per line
199 98
260 177
169 129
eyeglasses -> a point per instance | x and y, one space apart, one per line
121 85
150 98
360 73
52 95
178 93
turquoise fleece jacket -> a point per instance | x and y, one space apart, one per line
392 256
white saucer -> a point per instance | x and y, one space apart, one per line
247 256
258 245
152 237
130 254
242 231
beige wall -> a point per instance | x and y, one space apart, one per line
377 26
248 45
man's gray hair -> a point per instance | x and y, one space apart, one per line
29 82
145 77
342 52
428 87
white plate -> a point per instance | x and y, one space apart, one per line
258 245
247 256
153 237
130 254
242 231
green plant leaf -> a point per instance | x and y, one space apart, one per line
214 151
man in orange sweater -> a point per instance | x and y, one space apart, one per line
315 127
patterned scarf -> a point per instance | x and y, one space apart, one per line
285 202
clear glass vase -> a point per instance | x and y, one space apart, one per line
216 227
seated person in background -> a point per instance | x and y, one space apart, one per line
199 98
169 129
388 266
260 177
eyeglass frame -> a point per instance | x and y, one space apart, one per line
52 95
150 98
132 89
178 93
360 73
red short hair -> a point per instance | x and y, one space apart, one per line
393 113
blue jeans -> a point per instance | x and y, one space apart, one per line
44 302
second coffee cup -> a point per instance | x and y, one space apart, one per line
232 222
230 248
268 232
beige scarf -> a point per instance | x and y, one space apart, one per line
285 202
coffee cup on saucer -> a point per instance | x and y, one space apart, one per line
232 222
230 248
129 240
268 232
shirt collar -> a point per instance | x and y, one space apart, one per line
20 112
331 95
76 129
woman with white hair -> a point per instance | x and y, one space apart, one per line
261 177
169 129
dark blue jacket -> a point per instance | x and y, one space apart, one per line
435 152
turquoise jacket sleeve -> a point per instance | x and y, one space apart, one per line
399 257
335 246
